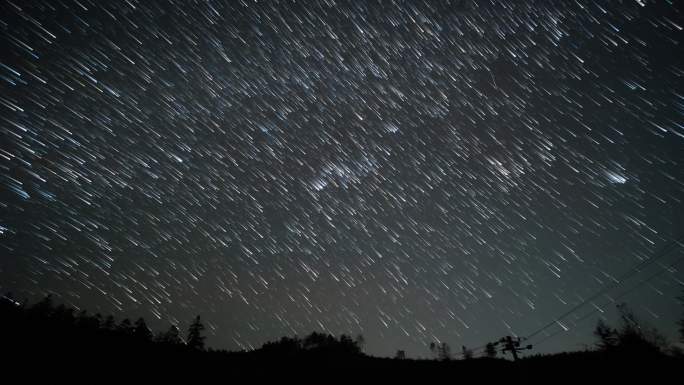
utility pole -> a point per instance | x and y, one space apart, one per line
513 345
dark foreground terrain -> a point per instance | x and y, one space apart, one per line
54 344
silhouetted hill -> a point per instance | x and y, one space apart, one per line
47 342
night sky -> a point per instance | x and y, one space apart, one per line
412 171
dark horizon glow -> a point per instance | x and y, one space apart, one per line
412 171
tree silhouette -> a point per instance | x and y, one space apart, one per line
441 351
490 350
64 315
467 353
109 323
317 341
631 338
286 346
88 322
97 321
607 337
347 345
43 308
195 337
360 341
444 352
141 331
125 327
171 336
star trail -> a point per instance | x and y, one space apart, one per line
411 171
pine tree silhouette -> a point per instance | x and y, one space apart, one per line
141 331
195 337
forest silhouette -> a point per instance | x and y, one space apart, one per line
51 341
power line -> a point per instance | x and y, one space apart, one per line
624 293
620 280
634 270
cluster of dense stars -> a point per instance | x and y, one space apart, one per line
411 171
